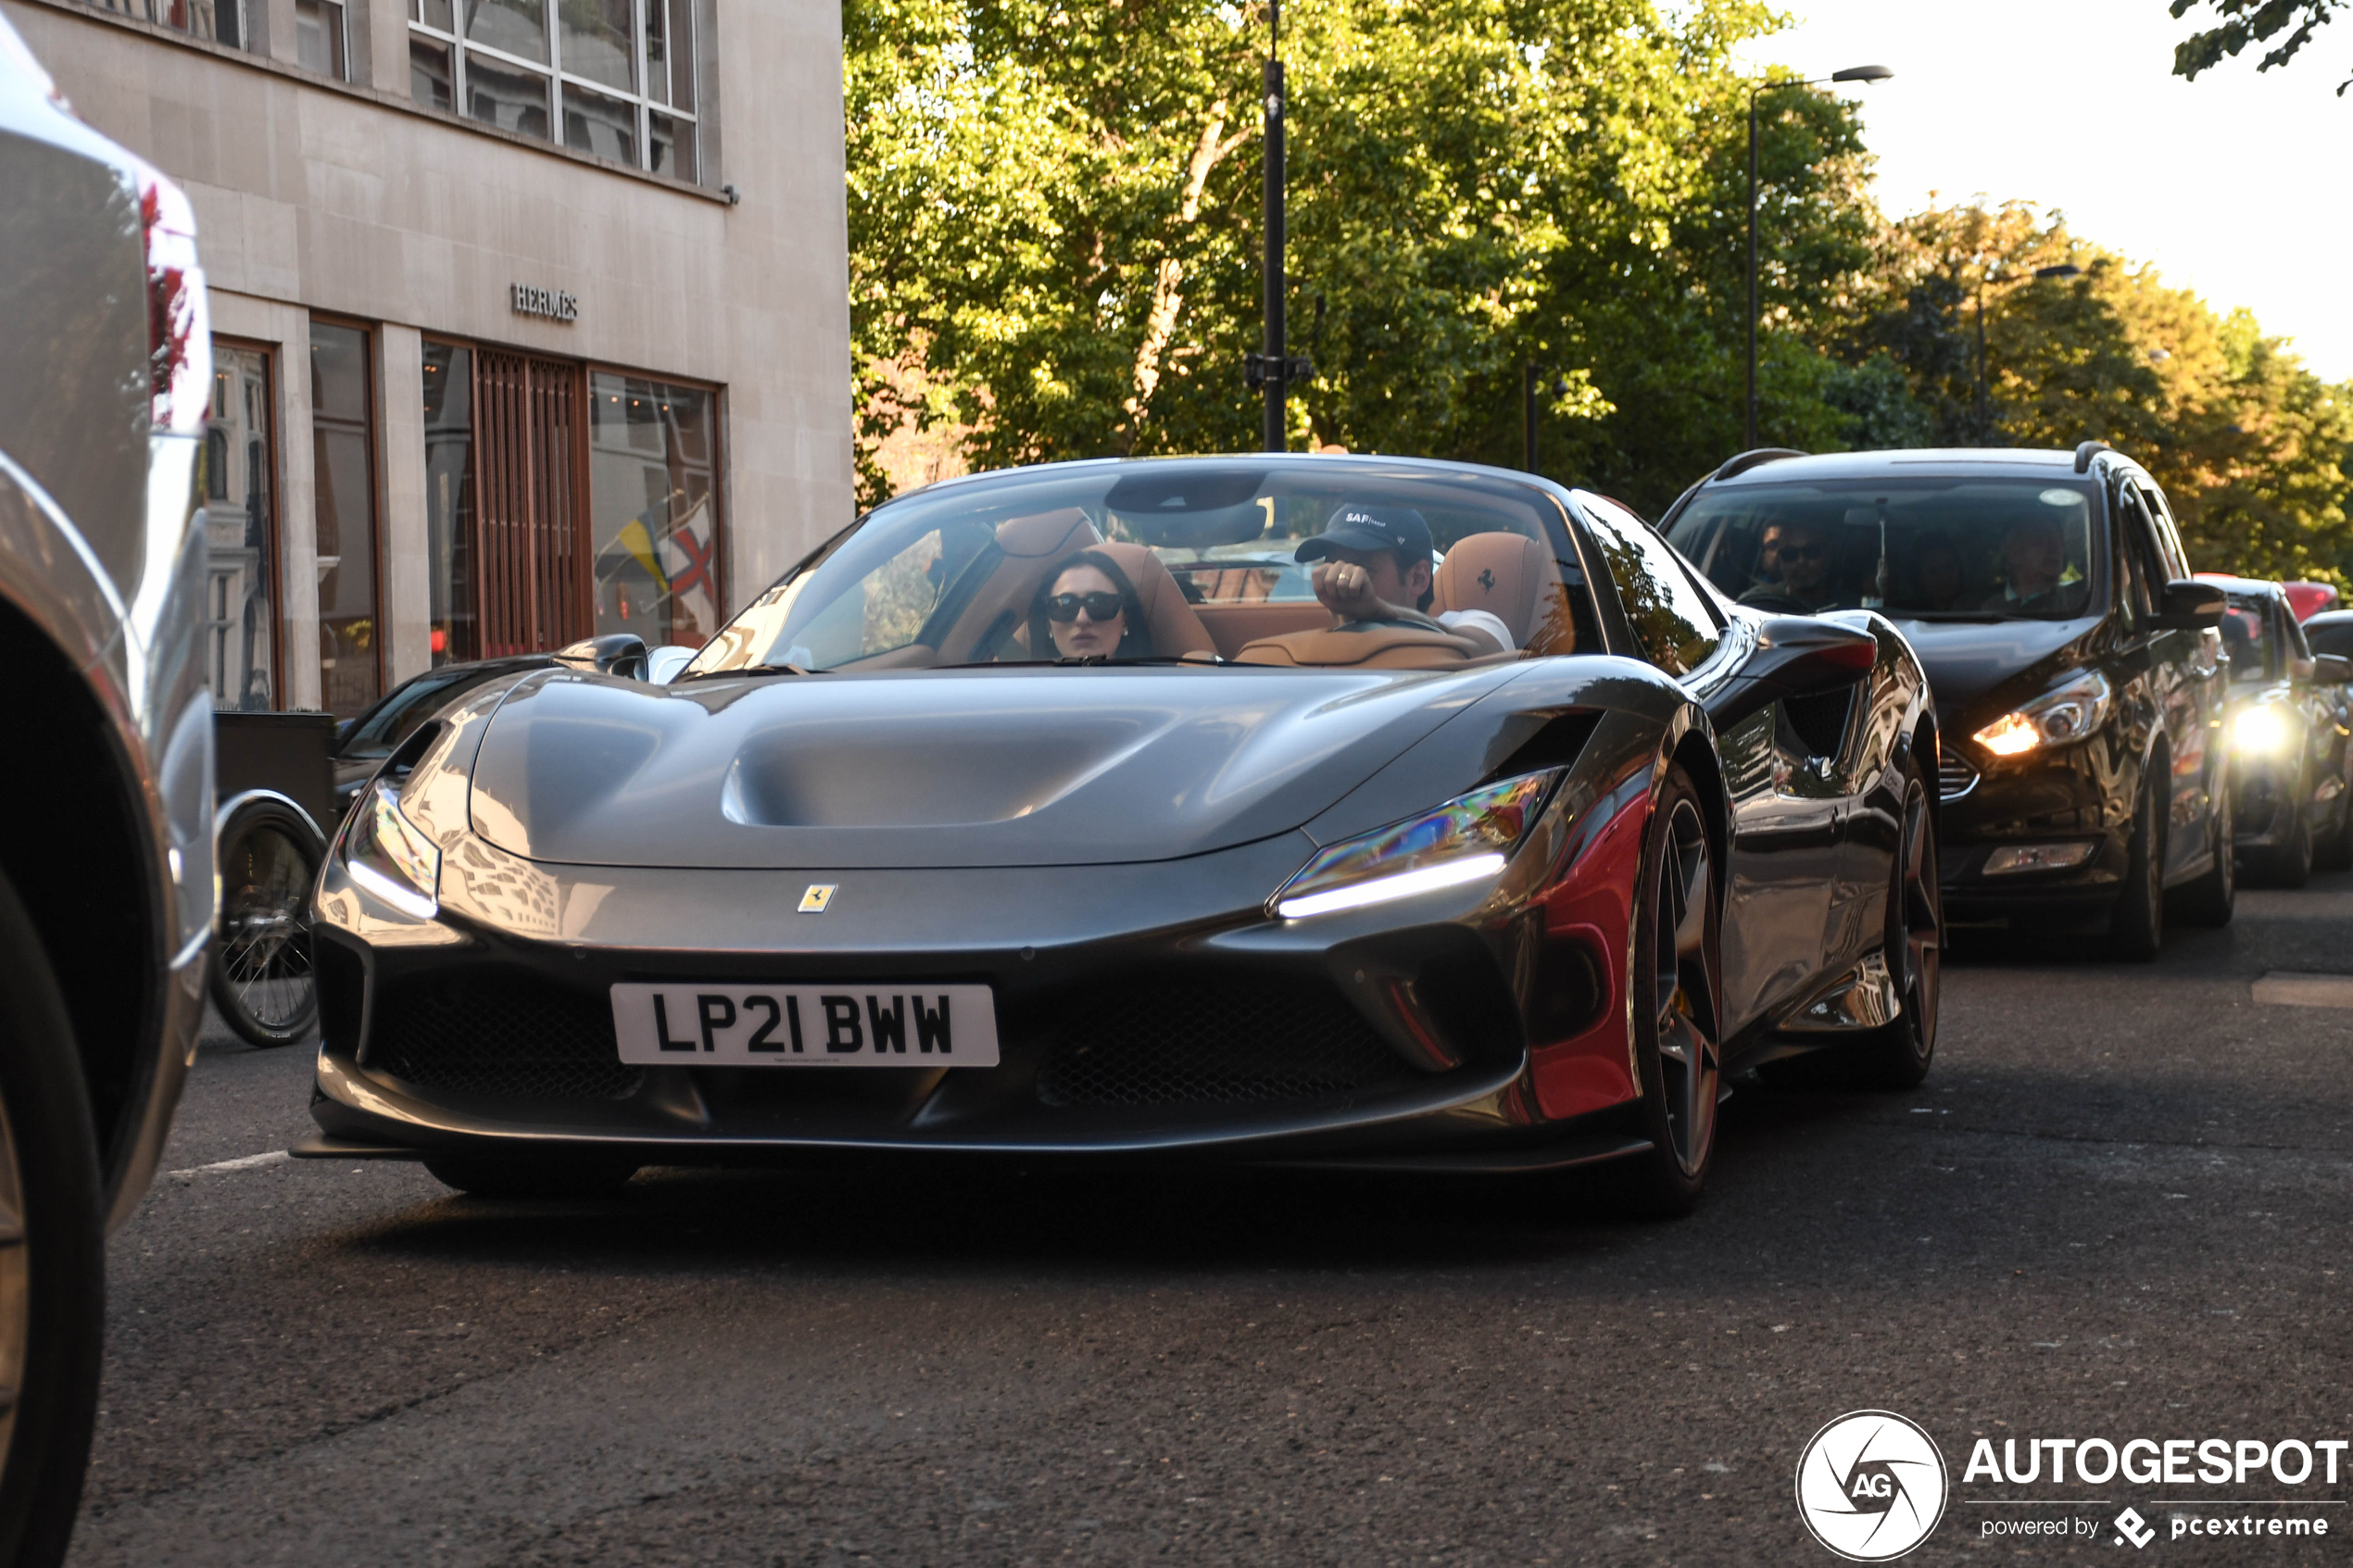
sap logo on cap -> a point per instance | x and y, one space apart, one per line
1871 1486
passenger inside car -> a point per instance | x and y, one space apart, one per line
1372 565
1087 609
2033 562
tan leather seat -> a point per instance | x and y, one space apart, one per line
1363 646
1030 545
1176 630
1515 580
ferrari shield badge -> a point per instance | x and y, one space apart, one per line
820 894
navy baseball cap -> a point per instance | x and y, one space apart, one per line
1358 527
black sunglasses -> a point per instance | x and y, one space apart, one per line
1098 607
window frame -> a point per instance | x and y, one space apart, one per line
274 530
687 122
722 537
371 332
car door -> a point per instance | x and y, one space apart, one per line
2197 689
2166 662
2316 705
1786 809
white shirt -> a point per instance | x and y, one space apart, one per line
1479 620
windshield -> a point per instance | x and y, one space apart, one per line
393 719
1927 547
2248 638
1118 563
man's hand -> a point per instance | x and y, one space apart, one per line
1346 589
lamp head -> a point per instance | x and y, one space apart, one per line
1862 73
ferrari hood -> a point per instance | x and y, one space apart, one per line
957 767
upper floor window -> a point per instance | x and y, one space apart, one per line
616 75
222 21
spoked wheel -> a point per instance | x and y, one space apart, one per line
262 976
1896 1055
2137 929
2209 901
1679 1015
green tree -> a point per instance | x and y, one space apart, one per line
2252 21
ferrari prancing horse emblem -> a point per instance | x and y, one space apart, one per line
820 894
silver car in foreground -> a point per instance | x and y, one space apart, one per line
106 800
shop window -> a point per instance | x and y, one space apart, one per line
449 503
614 78
344 476
240 534
652 488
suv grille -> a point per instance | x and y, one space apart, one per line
1215 1043
501 1033
1956 775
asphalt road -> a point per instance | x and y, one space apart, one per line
2117 1208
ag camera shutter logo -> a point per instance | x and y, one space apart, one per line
1871 1486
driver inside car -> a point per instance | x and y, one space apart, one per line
2034 567
1372 563
1793 567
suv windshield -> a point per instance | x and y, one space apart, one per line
1927 548
1105 564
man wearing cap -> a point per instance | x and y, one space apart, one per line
1372 564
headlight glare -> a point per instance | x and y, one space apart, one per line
2057 717
1468 838
390 856
2262 732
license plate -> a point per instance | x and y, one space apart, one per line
806 1025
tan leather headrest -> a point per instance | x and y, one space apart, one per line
1046 533
1509 575
1176 630
1362 645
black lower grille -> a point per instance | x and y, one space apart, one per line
1214 1044
505 1034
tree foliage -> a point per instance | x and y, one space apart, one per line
2252 21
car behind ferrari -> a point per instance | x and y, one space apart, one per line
1037 813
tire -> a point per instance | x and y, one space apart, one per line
52 1260
260 973
2290 864
2333 850
2209 901
1678 1020
2136 929
557 1174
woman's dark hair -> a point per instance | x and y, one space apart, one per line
1135 638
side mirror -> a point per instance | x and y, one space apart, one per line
1796 656
663 663
621 654
2189 607
2330 669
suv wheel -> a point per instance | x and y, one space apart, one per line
52 1254
2137 929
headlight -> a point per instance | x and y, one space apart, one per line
390 856
2071 712
1467 838
2263 731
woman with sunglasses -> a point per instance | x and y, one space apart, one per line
1087 609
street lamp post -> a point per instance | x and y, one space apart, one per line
1852 73
1274 371
1985 403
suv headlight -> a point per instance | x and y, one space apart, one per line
1469 837
390 856
2057 717
2266 730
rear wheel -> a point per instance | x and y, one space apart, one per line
2137 929
262 978
52 1255
557 1174
1678 1013
2209 901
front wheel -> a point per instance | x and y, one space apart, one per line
52 1254
2290 864
2209 901
1678 1012
2137 929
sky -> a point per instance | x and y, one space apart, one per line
2232 185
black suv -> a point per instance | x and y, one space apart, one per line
2078 674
